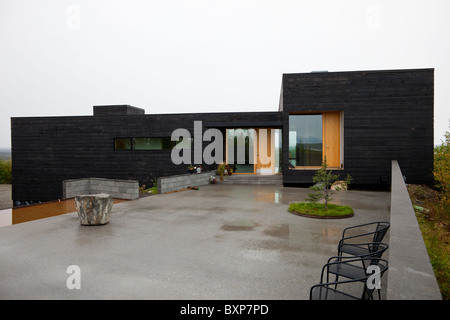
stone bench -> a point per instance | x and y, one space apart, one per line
94 209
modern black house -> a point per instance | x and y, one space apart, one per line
359 121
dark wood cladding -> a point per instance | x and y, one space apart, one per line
117 110
49 150
388 115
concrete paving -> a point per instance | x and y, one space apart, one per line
218 242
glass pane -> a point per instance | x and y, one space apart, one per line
186 143
278 150
122 144
240 150
147 143
305 140
167 143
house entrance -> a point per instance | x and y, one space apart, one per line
254 150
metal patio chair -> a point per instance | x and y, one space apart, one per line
351 236
352 267
353 289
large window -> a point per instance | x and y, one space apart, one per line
312 137
254 150
305 140
240 149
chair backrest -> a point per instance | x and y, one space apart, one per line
380 231
376 249
382 265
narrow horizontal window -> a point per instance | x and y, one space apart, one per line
186 143
147 143
122 144
144 144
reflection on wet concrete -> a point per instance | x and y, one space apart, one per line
239 225
291 235
331 233
279 231
275 195
39 211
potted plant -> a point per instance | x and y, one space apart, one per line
229 169
191 169
220 171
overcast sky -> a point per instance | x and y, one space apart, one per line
59 58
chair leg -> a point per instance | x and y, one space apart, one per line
336 280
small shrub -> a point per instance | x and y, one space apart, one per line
5 171
153 189
322 189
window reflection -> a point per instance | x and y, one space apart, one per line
305 140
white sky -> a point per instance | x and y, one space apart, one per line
60 57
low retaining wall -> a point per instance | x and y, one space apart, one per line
120 189
410 274
5 196
183 181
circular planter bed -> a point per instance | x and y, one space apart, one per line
317 210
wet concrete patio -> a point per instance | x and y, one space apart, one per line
218 242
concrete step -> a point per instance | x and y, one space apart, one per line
253 179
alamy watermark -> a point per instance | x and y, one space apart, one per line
374 279
213 152
74 280
73 21
373 21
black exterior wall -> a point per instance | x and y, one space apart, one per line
48 150
388 115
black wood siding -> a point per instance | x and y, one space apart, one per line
49 150
388 115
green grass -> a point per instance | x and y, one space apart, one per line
436 237
318 209
434 224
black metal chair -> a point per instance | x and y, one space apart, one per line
359 234
353 267
354 289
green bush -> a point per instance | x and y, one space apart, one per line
441 170
5 172
324 179
318 209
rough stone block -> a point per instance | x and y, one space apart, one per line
94 209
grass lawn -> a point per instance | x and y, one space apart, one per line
317 210
434 224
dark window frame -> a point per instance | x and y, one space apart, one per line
166 144
341 138
122 149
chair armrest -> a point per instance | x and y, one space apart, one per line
370 246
